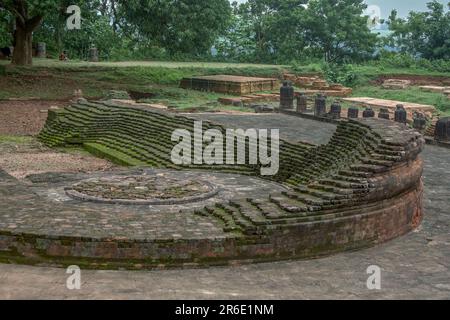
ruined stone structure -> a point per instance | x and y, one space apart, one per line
442 131
230 84
368 113
41 50
384 114
302 103
400 114
314 85
362 188
420 122
335 111
398 84
287 96
93 55
391 105
353 113
320 106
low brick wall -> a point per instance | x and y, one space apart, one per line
363 188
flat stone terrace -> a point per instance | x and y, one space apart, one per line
293 129
39 205
230 84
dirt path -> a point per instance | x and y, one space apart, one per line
417 80
31 157
24 117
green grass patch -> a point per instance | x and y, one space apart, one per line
187 99
114 156
371 71
52 80
16 139
412 94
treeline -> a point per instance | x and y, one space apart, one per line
264 31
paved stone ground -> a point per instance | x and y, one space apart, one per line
291 128
416 266
66 216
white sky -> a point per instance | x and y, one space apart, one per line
403 6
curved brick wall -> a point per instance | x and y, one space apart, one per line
362 188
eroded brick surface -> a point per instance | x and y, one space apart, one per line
361 188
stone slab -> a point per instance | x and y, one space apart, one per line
229 84
436 89
391 105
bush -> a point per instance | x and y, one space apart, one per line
344 74
404 60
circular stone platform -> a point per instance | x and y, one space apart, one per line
157 189
362 188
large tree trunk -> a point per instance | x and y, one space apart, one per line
23 50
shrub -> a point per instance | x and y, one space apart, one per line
344 74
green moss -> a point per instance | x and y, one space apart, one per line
112 155
16 139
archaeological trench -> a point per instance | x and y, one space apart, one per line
361 188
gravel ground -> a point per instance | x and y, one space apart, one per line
21 160
24 117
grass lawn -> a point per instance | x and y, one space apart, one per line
412 94
54 80
16 139
52 63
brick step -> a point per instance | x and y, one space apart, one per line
370 168
320 193
307 198
355 173
376 162
138 149
229 224
343 184
250 212
391 158
113 154
239 219
292 205
136 154
334 189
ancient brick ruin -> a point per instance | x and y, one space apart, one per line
362 188
237 85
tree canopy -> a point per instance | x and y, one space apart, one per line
267 31
182 26
280 31
424 34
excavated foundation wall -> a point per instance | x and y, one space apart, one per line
364 187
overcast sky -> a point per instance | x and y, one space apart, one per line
403 6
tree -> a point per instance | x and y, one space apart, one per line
5 26
28 15
246 39
182 26
338 30
283 31
424 34
97 30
